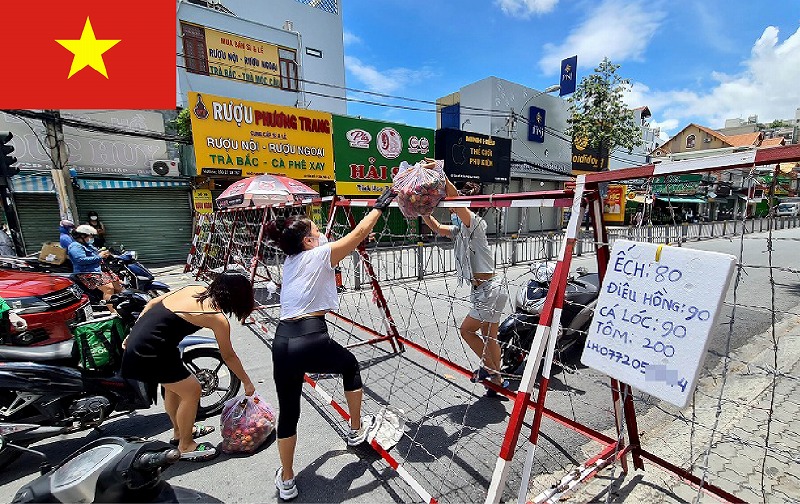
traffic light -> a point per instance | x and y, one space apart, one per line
7 161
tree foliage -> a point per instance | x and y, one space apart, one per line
598 113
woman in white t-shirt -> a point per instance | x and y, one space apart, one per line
302 344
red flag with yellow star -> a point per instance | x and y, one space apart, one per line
88 54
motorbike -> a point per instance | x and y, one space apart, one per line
43 388
109 469
133 274
516 333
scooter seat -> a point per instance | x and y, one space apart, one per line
44 353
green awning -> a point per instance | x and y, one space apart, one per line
681 199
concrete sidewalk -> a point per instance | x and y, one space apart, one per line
734 456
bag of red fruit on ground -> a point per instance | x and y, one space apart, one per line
246 421
419 187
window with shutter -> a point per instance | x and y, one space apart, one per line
194 49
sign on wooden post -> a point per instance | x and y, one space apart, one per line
655 313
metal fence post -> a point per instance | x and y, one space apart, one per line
549 246
684 231
420 261
579 245
356 270
514 238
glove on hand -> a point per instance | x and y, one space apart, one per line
383 201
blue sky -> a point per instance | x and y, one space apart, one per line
688 61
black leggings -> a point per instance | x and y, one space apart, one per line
304 346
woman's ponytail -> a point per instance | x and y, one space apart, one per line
289 233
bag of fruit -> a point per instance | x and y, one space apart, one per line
419 189
246 422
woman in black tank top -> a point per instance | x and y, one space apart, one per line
152 354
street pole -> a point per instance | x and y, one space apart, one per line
58 154
10 210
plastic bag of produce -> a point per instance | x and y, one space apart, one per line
419 189
246 422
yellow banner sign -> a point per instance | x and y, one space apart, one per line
243 138
614 203
203 203
242 59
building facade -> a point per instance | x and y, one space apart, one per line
541 155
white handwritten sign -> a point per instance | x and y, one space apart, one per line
655 313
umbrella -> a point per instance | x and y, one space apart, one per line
264 190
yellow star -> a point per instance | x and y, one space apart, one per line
88 51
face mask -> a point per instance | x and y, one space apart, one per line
455 220
90 241
322 239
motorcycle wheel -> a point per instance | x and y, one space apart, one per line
512 357
217 382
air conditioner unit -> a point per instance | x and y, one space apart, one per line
164 168
707 140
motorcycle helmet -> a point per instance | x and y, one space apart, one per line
85 229
542 272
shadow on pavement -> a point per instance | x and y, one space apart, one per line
58 448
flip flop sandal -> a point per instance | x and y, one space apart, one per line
479 375
203 452
198 431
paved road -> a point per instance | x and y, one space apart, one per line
454 431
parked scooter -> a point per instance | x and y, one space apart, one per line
46 391
516 333
59 399
109 469
133 274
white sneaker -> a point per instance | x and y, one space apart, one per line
287 490
356 437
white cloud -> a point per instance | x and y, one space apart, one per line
351 38
385 81
525 8
617 29
768 87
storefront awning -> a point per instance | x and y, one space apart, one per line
681 199
129 184
32 184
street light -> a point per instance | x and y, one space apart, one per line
548 89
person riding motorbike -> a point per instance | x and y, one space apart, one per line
86 264
65 229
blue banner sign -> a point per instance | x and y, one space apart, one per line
536 122
569 68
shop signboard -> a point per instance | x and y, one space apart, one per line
474 157
677 184
94 153
368 153
587 159
203 203
242 59
614 203
241 138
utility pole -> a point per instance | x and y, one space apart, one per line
58 154
7 169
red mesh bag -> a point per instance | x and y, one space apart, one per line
419 189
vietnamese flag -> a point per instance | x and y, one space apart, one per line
88 54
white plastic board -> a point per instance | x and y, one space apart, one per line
655 313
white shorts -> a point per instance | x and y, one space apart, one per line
488 301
